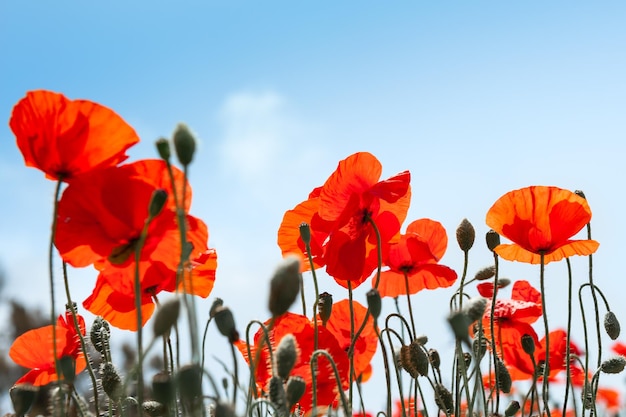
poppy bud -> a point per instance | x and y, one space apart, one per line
479 347
295 390
504 377
459 322
325 306
163 388
68 368
100 334
465 235
277 393
434 358
157 202
512 409
503 282
225 322
374 303
189 384
580 194
475 308
611 325
111 382
163 147
154 408
414 360
286 356
166 316
218 302
613 365
23 396
485 273
493 239
184 143
284 285
528 344
305 233
467 359
443 398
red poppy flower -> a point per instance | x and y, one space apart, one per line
303 331
65 138
416 255
35 350
540 220
367 342
342 238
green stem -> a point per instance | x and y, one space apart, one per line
53 319
546 366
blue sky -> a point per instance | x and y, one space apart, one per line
474 98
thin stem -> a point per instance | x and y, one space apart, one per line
546 366
235 374
595 301
408 302
53 228
492 327
568 376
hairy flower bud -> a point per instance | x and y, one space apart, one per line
285 285
277 395
485 273
295 390
613 365
611 325
434 358
154 408
414 360
504 377
465 235
443 398
163 147
475 308
325 307
225 322
374 303
23 396
166 316
111 382
100 334
184 143
512 409
157 202
285 356
528 344
493 239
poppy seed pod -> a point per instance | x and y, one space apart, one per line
184 144
414 360
613 365
325 307
305 233
485 273
189 384
218 302
111 382
512 409
166 316
528 344
434 358
157 202
225 322
295 390
100 334
285 356
443 398
493 239
23 396
611 325
163 388
374 303
163 147
465 235
284 285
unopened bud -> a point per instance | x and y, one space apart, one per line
285 285
493 239
475 308
434 358
218 302
613 365
185 144
111 382
325 307
414 360
163 388
528 344
23 396
100 334
295 390
68 368
374 303
465 235
305 233
157 202
225 322
485 273
286 356
459 322
422 339
277 394
504 377
154 408
579 193
479 347
166 317
611 325
189 383
512 409
443 398
503 283
163 147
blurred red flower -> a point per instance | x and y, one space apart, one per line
416 255
65 138
538 220
35 350
303 331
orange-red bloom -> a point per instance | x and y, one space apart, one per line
303 331
339 214
35 350
416 256
65 138
100 220
540 220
